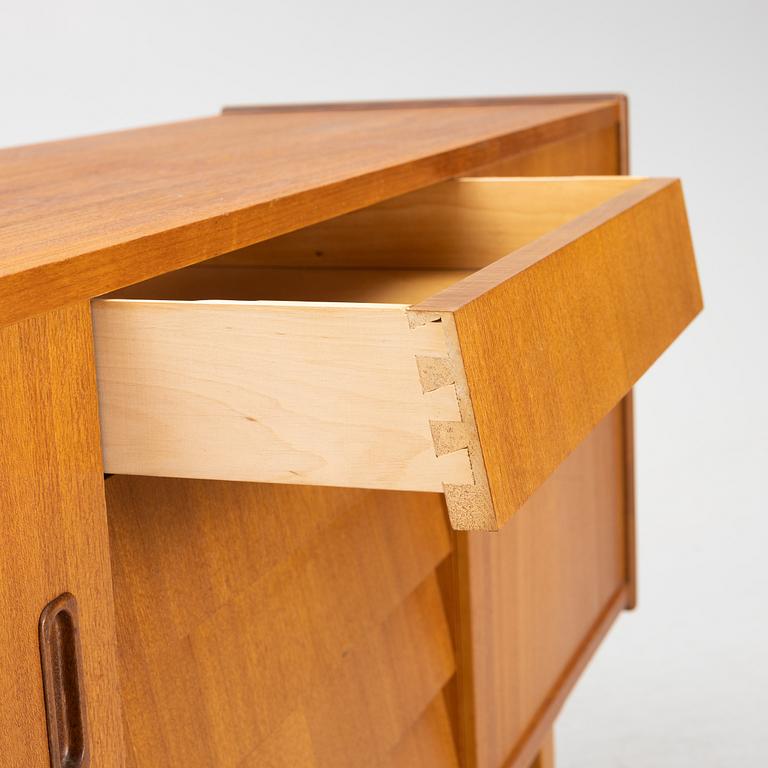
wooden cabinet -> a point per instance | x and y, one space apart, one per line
363 377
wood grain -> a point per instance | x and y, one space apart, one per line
460 224
555 334
429 743
87 216
214 280
592 153
531 603
283 393
54 528
276 625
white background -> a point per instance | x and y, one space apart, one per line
683 681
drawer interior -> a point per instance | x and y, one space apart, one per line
401 251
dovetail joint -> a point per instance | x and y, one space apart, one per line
470 506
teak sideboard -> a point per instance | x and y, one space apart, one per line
317 430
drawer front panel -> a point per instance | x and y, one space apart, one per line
552 336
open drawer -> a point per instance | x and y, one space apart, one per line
465 337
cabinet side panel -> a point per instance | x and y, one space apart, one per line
54 529
538 591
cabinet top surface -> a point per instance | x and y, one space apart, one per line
84 216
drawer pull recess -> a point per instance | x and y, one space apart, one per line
61 660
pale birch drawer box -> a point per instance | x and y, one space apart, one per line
464 337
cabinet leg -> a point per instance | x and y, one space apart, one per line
546 756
